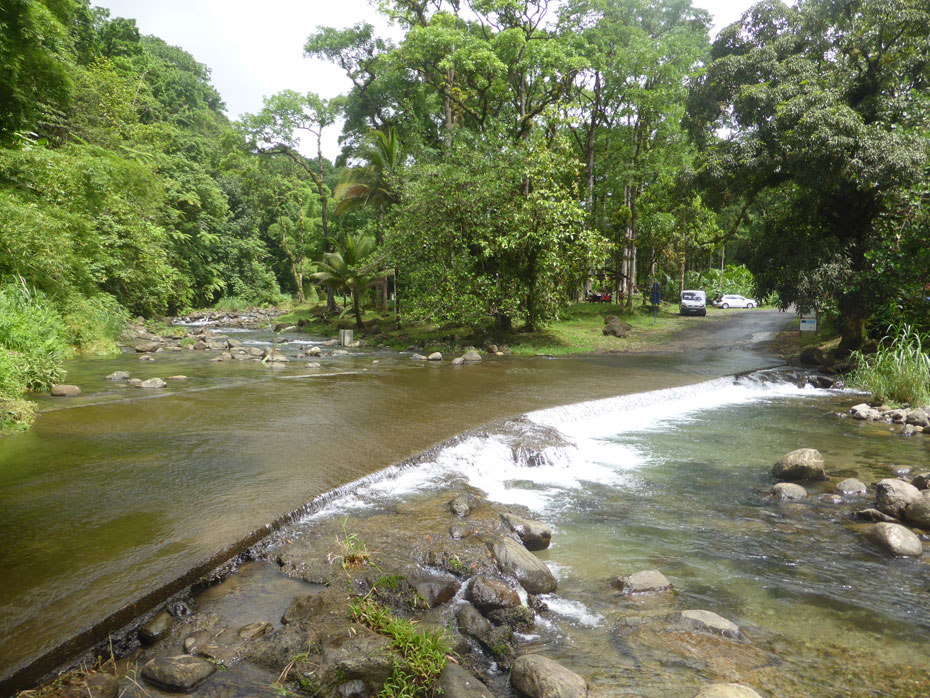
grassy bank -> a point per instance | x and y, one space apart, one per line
579 330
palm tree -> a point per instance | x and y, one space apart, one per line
351 269
371 184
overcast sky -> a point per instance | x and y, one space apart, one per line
255 49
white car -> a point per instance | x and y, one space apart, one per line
734 301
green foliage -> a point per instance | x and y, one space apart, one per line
735 278
898 371
93 324
423 653
490 234
354 550
351 269
826 108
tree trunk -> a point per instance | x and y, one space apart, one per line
852 323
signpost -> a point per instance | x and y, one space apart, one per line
656 299
809 321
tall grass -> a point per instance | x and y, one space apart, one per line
899 370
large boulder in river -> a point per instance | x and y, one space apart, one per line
463 504
178 673
896 539
918 512
892 496
814 356
540 677
533 534
471 356
800 464
65 391
726 690
918 418
152 384
515 560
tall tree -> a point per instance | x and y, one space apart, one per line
828 131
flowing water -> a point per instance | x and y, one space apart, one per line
122 491
677 480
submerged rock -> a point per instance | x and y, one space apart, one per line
708 622
896 539
645 582
788 491
892 496
178 673
851 486
540 677
255 630
871 514
458 361
800 464
118 376
471 622
463 504
534 534
515 560
726 690
152 383
471 356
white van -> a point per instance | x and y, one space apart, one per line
693 303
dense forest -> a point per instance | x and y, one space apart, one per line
500 160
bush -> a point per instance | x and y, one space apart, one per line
898 371
93 324
734 279
32 335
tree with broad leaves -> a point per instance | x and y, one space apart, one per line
275 130
827 134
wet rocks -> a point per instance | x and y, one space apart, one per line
458 361
871 514
435 356
645 582
255 630
798 465
471 622
726 690
147 347
864 412
353 661
533 534
417 357
540 677
788 491
177 673
893 496
435 590
65 390
488 594
918 512
100 685
456 682
851 486
152 384
155 629
314 351
708 622
515 560
471 356
921 481
896 539
463 504
118 376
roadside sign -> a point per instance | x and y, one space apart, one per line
808 323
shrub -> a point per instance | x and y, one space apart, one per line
93 324
32 333
898 371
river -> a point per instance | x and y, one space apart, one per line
118 492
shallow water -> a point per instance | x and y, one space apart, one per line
677 480
114 493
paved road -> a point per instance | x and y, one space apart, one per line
740 329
